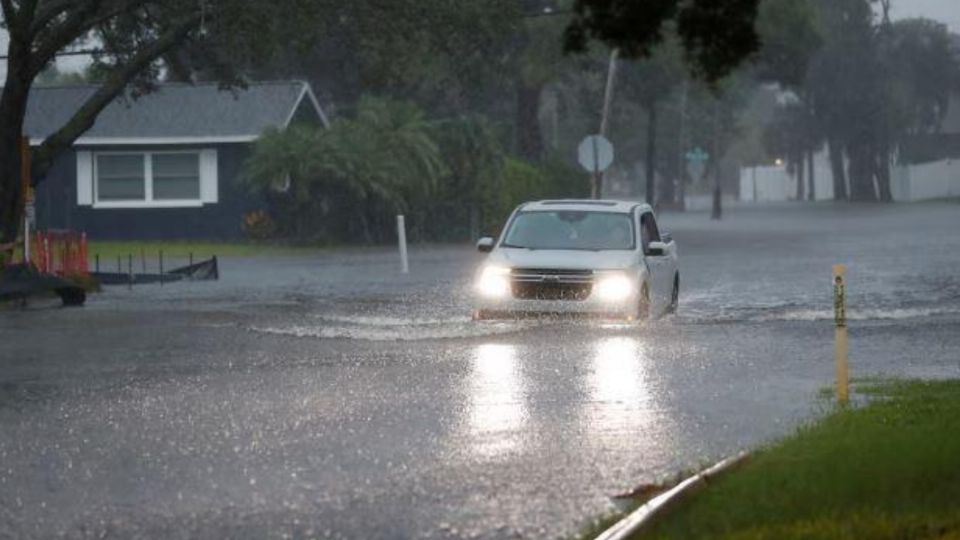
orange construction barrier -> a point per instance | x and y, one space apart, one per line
63 253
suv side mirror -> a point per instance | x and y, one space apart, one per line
485 244
666 237
656 249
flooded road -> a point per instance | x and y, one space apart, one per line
329 396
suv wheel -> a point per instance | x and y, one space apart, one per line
675 295
643 306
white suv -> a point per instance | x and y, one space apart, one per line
598 257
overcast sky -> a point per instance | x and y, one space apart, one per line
947 11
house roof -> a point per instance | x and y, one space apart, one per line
176 113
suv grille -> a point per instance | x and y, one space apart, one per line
551 283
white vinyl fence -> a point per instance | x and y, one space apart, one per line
909 183
937 180
773 183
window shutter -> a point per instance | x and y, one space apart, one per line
209 181
84 178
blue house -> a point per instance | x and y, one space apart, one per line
164 166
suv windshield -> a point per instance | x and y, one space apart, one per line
570 230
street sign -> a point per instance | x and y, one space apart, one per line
697 163
595 153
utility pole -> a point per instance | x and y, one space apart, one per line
608 91
681 191
597 190
717 213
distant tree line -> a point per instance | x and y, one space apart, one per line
503 104
866 87
488 104
849 81
499 108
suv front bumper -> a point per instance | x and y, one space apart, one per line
591 307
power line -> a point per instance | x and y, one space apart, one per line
80 52
547 12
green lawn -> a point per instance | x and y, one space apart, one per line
110 250
890 469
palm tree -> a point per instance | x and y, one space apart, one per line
384 159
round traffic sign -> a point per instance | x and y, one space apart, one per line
595 153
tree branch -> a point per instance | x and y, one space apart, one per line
48 12
62 35
81 21
84 118
11 16
27 9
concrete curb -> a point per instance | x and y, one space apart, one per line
655 507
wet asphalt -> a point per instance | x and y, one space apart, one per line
327 395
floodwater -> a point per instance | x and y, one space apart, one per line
330 396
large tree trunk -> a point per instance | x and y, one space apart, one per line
800 162
812 175
651 171
883 172
529 136
13 107
10 196
883 181
668 192
861 172
838 170
717 211
680 195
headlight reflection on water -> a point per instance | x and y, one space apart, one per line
497 406
618 371
617 407
618 387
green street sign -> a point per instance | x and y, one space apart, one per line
698 155
697 163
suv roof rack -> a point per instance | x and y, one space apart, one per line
578 202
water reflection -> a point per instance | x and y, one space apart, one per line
497 409
620 399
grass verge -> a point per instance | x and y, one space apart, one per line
110 250
890 469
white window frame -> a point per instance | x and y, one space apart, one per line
206 171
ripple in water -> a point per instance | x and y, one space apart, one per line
768 314
385 328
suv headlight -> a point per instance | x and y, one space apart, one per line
494 281
614 288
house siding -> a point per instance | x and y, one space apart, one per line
57 203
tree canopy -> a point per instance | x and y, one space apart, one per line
479 91
717 35
343 183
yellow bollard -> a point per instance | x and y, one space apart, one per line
840 350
